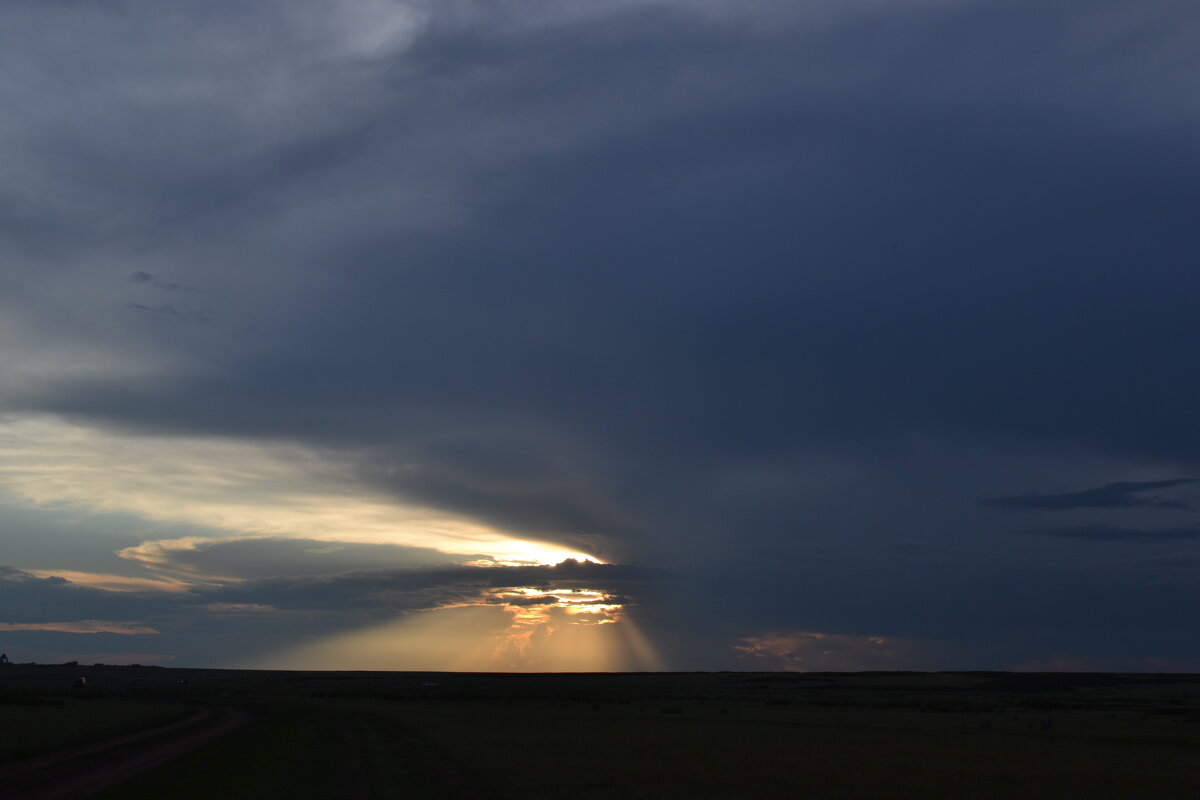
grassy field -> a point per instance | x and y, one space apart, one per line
41 711
978 735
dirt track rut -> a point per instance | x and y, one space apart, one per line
88 770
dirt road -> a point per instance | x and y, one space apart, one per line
87 770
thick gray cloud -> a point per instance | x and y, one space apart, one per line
404 590
753 292
268 557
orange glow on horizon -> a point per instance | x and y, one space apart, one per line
511 629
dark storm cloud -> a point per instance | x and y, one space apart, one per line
1109 533
781 260
639 276
1125 494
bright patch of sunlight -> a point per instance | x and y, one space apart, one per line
234 488
516 629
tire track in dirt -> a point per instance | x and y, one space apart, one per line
88 770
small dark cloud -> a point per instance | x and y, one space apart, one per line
519 600
1109 533
143 277
170 311
1124 494
10 576
164 310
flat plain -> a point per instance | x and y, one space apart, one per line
641 735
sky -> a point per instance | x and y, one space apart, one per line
600 334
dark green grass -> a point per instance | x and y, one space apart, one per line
41 709
609 750
310 749
977 735
29 729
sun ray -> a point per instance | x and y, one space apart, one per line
510 629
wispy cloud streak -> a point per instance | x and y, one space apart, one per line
1125 494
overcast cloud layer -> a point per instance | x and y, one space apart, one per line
849 335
